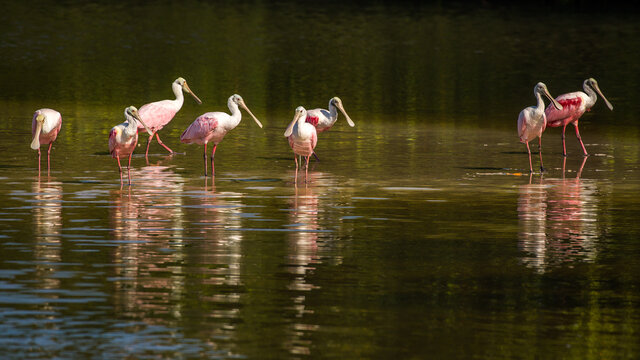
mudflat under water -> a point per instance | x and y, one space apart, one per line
419 234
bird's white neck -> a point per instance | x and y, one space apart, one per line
236 115
591 93
132 125
177 91
540 105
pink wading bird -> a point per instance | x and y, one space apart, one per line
124 137
158 114
45 127
213 126
573 106
532 121
302 138
323 119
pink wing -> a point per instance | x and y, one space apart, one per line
112 140
572 108
314 140
522 125
199 129
157 114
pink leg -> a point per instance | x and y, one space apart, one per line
564 147
49 158
205 159
163 145
306 171
295 158
129 169
38 161
530 165
540 152
580 139
146 154
213 153
119 169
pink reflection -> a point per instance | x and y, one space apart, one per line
302 260
558 221
47 218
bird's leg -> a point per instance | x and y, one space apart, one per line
306 170
295 158
163 145
204 155
49 158
316 156
119 169
213 153
564 147
38 161
129 169
146 154
564 165
529 151
580 139
540 152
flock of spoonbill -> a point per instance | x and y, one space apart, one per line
302 132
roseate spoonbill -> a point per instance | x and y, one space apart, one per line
573 106
158 114
45 127
302 138
213 126
124 137
323 119
532 121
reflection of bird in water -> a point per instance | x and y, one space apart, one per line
45 126
302 259
558 221
47 217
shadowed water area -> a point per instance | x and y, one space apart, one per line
419 235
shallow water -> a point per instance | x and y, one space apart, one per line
419 234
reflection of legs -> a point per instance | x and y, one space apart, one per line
540 152
584 160
213 153
163 145
529 151
49 158
580 139
129 169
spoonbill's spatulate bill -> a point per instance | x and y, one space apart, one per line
213 126
45 126
532 121
158 114
573 106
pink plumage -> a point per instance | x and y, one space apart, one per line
202 130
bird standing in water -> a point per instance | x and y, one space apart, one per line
532 121
573 106
302 138
323 119
124 137
158 114
45 126
213 126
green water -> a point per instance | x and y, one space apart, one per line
420 233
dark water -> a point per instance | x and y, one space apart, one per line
420 234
